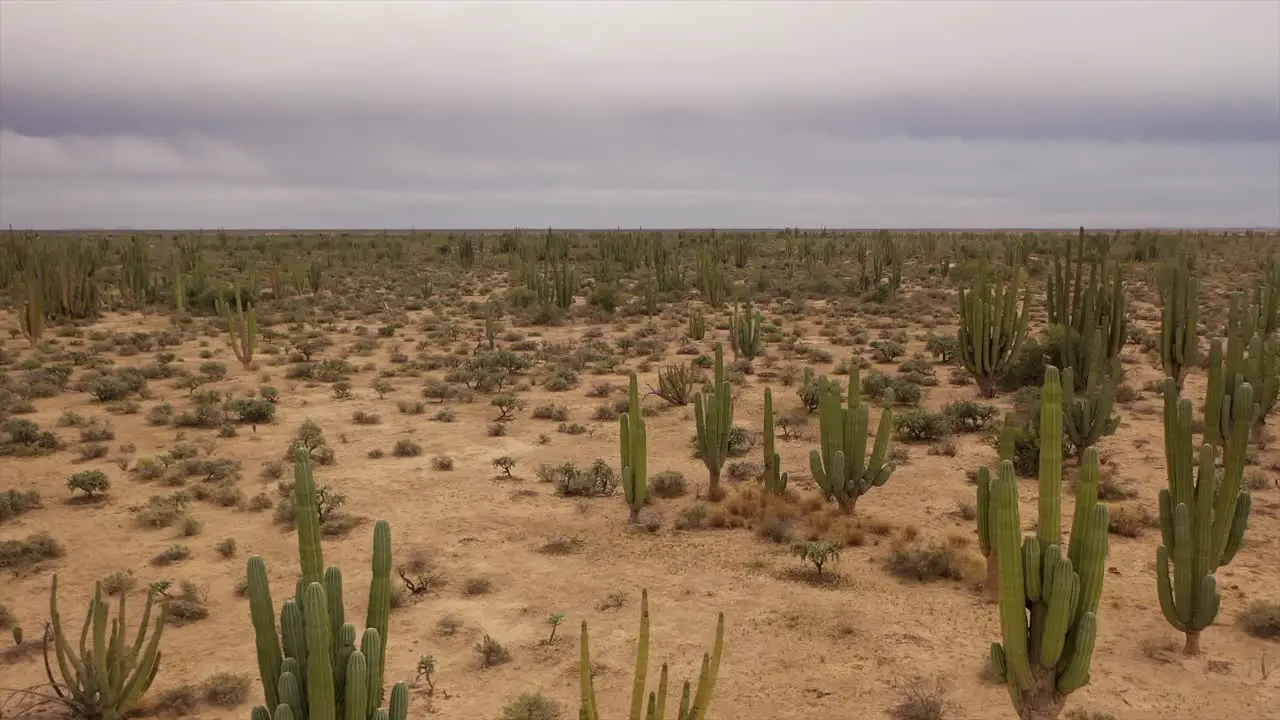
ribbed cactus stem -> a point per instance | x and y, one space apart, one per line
842 467
1046 654
775 480
713 416
633 440
993 326
1179 318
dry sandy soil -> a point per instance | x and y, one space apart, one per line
793 650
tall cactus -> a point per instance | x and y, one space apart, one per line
744 334
1090 311
1179 317
992 328
775 481
1202 520
697 326
694 701
633 438
31 315
1087 417
842 467
242 327
1048 658
313 669
1266 298
108 675
1249 357
713 415
986 525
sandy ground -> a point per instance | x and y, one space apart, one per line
793 650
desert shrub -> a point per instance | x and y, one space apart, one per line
89 482
551 411
668 484
405 447
225 690
170 555
969 416
360 417
926 562
31 550
572 481
442 463
921 425
16 502
1262 619
532 706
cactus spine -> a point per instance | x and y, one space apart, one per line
1202 521
775 481
313 669
1044 661
713 415
1087 417
842 467
992 328
744 334
694 702
108 675
634 441
1179 317
242 327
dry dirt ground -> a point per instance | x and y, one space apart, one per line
793 650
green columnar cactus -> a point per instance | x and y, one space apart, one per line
1044 660
1248 358
697 326
1091 312
711 282
694 701
313 669
775 481
108 675
1179 318
31 316
842 467
744 334
992 328
1266 298
634 440
242 327
713 415
986 531
1087 417
1202 521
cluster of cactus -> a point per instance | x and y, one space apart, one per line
742 246
1249 357
877 255
713 414
697 326
775 480
1202 517
842 467
63 270
242 326
1046 659
1091 311
311 668
31 314
464 247
1266 298
1087 416
633 439
1179 317
136 282
107 674
694 701
712 284
554 284
745 336
676 383
992 328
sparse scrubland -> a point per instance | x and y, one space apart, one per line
846 475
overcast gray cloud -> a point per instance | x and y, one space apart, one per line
661 114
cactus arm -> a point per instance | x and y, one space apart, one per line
642 659
1007 527
379 611
356 704
262 613
320 691
310 553
1050 528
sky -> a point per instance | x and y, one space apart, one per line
363 114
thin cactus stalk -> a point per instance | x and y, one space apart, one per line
106 675
242 327
1248 358
1090 311
1046 659
31 316
676 383
745 336
633 438
775 480
986 531
309 665
842 467
1087 417
697 326
695 701
713 414
1266 299
992 328
1202 518
1179 318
